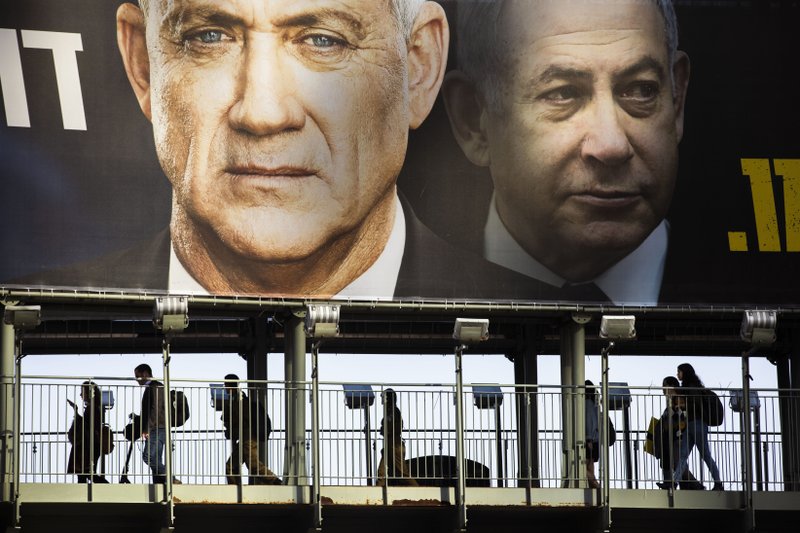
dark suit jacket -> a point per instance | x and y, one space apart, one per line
431 268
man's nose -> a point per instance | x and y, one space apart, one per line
266 100
606 140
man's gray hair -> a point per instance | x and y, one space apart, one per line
480 55
404 12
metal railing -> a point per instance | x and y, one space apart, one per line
352 438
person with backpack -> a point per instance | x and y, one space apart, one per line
247 426
153 422
702 407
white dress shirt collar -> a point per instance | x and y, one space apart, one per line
634 280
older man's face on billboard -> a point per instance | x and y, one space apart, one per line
281 124
582 144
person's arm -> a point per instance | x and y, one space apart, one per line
146 403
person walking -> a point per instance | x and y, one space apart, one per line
247 426
154 425
696 428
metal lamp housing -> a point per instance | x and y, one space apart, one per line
621 327
471 330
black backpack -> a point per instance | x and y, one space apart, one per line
179 408
260 424
713 412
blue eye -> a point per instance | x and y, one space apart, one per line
211 36
323 41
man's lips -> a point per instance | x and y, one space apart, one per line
283 171
607 198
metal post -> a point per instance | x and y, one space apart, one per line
579 400
793 418
7 449
315 453
17 425
368 443
525 378
256 357
498 431
605 492
787 402
567 412
294 373
747 443
626 428
168 432
757 445
461 486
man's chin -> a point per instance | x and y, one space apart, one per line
610 237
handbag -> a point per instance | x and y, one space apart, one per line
106 439
649 441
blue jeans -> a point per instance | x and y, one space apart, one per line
153 453
696 434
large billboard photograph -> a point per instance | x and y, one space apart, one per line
630 152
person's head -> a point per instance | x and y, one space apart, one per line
90 394
283 124
576 107
143 373
591 390
231 381
669 385
687 376
389 397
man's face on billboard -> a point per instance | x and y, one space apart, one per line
582 142
281 124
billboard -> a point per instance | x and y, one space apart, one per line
560 151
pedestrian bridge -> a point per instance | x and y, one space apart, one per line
511 471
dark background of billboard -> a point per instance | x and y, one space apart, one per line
69 196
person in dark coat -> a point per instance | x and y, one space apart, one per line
85 434
247 426
669 433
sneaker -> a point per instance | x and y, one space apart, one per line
718 486
176 481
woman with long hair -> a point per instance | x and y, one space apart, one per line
696 428
84 434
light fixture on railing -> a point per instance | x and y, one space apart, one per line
471 330
322 321
758 327
171 314
358 396
487 396
107 399
619 396
22 317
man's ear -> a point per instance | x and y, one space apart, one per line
465 109
427 60
133 48
680 75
